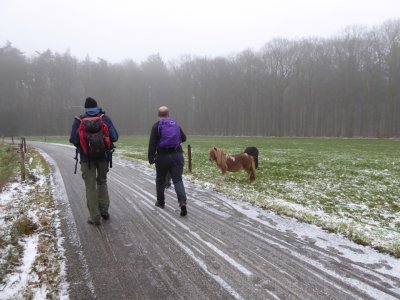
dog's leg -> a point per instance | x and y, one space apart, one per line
223 171
223 177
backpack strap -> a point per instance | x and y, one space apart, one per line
83 116
109 152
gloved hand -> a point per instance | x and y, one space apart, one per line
152 160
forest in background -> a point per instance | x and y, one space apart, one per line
344 86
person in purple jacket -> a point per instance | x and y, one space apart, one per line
166 152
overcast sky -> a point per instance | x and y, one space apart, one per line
116 30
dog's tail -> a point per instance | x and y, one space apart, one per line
252 169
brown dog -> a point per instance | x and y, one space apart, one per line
233 163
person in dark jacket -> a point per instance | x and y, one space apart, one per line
94 170
166 152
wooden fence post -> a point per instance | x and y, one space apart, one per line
190 158
22 154
24 143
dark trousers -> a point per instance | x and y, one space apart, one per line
173 164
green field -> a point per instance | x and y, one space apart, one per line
8 163
347 186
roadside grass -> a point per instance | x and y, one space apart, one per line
346 186
28 215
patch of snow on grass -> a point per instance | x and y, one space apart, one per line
16 283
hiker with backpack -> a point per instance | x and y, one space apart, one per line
93 134
166 152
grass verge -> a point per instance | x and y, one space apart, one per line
29 225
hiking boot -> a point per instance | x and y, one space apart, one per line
160 205
183 211
90 221
105 216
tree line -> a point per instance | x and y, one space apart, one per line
344 86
